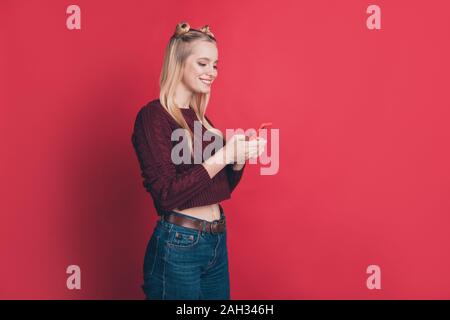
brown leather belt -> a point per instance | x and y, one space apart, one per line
216 226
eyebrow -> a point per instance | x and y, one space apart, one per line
208 59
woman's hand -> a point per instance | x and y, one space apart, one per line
238 149
260 147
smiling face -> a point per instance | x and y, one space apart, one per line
200 68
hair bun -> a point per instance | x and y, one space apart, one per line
182 28
205 29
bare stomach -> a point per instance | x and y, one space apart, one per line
210 212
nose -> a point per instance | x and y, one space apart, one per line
212 73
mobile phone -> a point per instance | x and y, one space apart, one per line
263 125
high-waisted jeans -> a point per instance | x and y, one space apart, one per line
186 264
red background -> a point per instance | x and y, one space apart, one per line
364 131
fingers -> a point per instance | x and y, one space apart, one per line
259 143
239 137
256 147
247 149
256 142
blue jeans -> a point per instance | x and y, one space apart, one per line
186 264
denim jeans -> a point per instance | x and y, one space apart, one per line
186 264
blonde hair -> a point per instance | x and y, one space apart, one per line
177 51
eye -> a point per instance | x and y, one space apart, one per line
204 64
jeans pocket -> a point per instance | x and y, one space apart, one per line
182 237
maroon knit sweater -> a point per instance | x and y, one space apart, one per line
172 185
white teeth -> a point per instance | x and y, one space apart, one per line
208 82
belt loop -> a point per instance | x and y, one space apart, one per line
203 227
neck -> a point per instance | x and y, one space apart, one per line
182 96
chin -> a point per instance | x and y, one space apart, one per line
204 90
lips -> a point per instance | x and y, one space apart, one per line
206 81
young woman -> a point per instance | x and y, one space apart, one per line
186 256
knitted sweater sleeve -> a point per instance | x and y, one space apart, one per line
153 146
233 176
